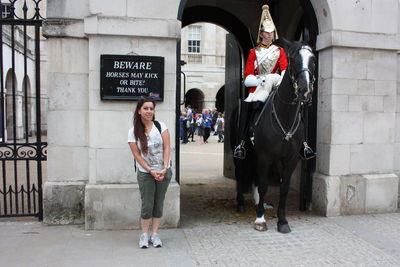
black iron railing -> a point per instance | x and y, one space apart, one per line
22 150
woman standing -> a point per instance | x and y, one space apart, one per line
150 145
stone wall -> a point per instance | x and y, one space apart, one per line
87 136
357 108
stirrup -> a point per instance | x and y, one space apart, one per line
308 153
240 151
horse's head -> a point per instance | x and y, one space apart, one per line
301 68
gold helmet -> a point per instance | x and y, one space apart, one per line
266 23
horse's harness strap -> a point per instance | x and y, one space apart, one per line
295 125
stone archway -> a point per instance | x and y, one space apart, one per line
240 20
195 98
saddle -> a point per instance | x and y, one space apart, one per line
258 108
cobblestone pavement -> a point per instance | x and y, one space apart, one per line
211 233
221 237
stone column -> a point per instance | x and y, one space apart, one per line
67 74
99 167
357 131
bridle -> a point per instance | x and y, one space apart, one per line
293 78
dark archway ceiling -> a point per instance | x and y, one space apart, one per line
240 17
221 18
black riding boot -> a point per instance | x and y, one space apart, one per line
245 112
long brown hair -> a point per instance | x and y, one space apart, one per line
138 125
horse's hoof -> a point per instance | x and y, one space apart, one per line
284 228
240 208
261 226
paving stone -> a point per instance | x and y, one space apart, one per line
211 233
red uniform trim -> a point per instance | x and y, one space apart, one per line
281 64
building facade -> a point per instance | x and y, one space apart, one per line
203 53
91 177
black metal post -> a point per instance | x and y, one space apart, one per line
38 120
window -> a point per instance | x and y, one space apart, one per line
6 11
194 39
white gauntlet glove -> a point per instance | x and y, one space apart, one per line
252 80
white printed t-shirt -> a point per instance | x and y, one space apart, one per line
155 156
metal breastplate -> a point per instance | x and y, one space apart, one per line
267 65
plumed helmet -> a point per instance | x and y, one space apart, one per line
266 22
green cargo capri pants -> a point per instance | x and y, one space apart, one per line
152 193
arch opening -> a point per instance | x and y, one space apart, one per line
195 98
291 24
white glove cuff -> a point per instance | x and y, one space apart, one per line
251 81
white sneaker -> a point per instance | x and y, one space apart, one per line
155 239
144 240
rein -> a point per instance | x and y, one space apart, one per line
295 125
297 118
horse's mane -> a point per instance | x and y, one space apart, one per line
290 47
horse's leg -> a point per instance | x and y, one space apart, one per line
239 174
253 170
260 223
256 196
283 225
262 170
240 207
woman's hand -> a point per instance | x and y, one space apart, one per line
155 175
158 175
162 174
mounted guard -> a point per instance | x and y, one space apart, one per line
282 74
265 67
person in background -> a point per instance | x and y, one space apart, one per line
220 127
186 128
192 128
207 118
214 114
200 128
189 111
181 117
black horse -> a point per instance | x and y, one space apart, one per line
278 135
